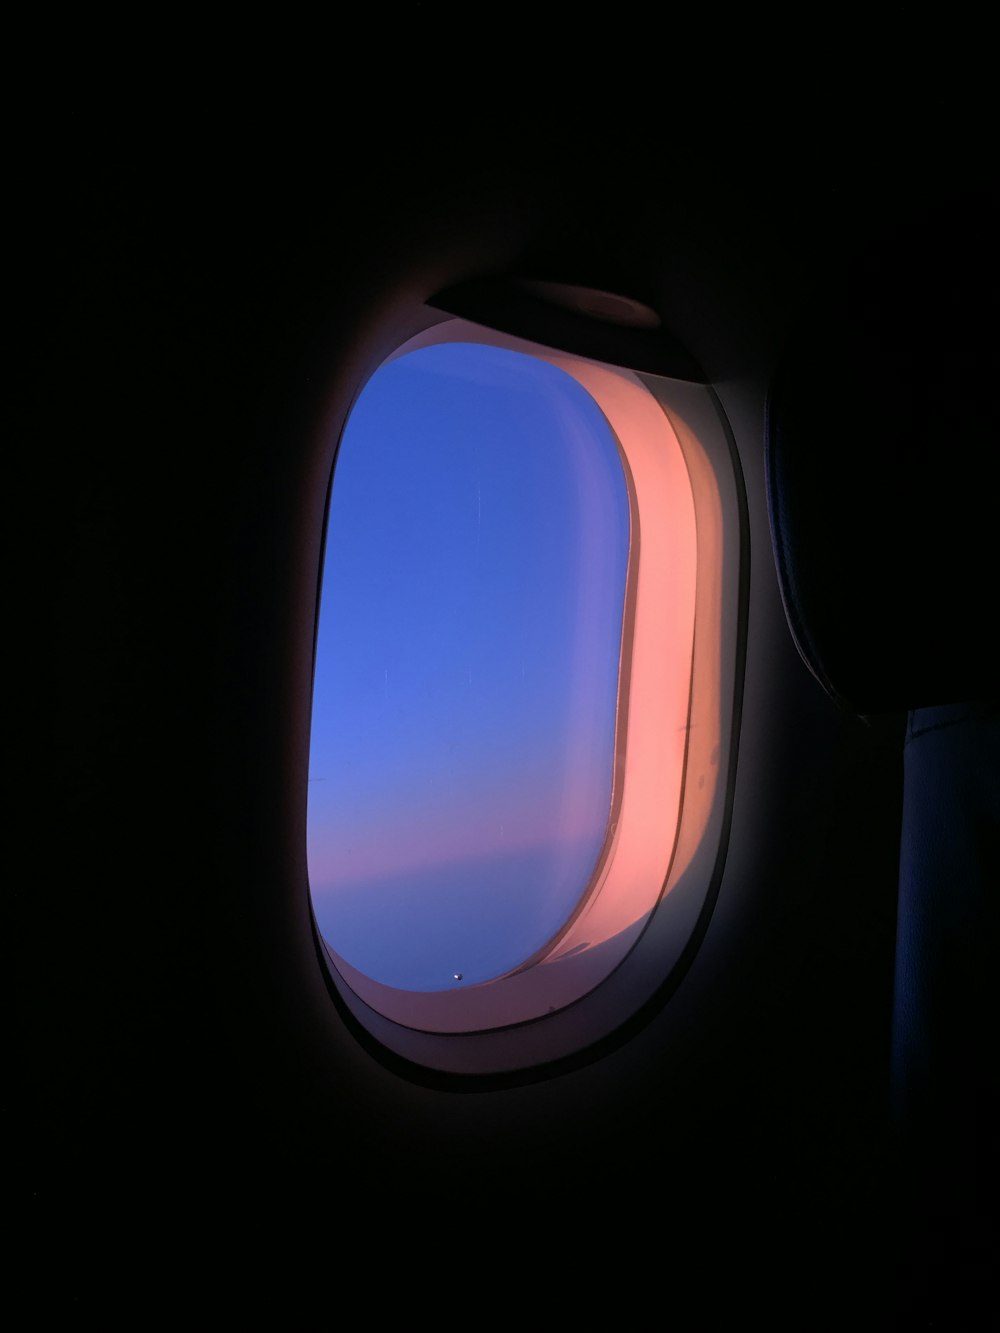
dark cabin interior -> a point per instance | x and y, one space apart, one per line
190 1101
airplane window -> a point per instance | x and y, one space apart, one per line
467 666
522 727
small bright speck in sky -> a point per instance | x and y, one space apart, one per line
467 660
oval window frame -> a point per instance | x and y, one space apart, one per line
579 991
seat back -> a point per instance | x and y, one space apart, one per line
882 476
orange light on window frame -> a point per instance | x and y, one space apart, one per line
668 722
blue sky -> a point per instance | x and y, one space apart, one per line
467 665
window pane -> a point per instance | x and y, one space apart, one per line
466 692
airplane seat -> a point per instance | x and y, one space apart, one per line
882 483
